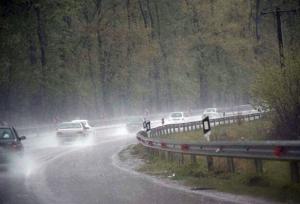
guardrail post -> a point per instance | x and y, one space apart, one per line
258 166
153 152
294 167
169 156
210 163
193 159
165 155
150 152
161 154
182 158
156 153
230 164
177 158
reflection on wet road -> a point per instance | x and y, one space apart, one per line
83 173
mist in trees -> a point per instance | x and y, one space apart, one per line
106 58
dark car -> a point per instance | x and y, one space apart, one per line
10 144
134 124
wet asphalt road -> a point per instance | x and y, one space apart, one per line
67 174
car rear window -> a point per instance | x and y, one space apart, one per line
84 122
69 125
6 134
211 110
176 115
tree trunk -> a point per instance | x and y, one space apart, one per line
257 19
7 95
143 14
41 100
41 36
94 85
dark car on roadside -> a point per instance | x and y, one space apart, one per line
10 145
134 124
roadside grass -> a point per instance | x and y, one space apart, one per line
274 183
253 130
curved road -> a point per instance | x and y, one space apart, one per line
76 174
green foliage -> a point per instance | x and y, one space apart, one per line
273 184
102 58
278 90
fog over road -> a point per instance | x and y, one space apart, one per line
84 174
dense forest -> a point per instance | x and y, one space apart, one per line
104 58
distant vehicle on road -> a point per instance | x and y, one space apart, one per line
134 124
177 117
10 144
70 131
212 113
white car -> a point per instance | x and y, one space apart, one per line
71 131
212 113
176 117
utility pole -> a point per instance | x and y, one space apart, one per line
277 12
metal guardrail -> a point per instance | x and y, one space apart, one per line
267 150
196 125
257 150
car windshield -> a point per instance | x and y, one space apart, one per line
6 133
176 115
69 125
